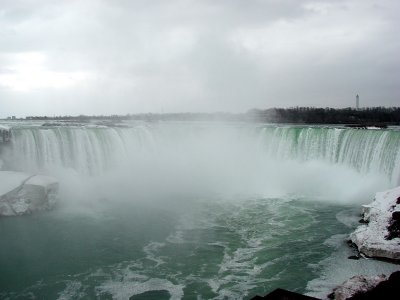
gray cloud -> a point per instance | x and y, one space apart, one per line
105 57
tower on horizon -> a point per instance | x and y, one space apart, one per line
357 102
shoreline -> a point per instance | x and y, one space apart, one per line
375 276
378 239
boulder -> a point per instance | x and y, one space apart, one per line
379 238
22 194
356 285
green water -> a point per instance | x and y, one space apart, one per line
197 249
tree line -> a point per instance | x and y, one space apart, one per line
295 115
313 115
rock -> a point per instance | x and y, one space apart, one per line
387 289
22 194
396 216
157 294
393 229
380 237
281 294
356 285
355 257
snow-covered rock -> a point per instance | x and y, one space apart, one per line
356 285
372 238
21 193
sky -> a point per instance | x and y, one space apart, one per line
136 56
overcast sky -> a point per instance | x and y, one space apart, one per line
132 56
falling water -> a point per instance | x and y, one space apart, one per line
364 150
93 150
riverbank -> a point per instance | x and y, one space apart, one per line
378 238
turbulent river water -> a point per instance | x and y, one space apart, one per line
192 210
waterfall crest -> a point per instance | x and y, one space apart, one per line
364 150
87 150
91 150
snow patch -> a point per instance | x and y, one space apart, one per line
370 238
21 193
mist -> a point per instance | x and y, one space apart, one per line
157 163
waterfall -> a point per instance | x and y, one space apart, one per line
91 150
364 150
88 150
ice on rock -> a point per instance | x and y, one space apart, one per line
21 193
371 239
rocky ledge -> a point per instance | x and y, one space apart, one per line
379 236
368 288
22 194
356 285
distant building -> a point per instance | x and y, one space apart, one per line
357 102
13 117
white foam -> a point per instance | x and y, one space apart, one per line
336 240
349 218
176 237
150 250
126 289
72 291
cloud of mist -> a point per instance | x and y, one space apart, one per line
194 163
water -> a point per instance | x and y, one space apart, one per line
213 249
192 211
